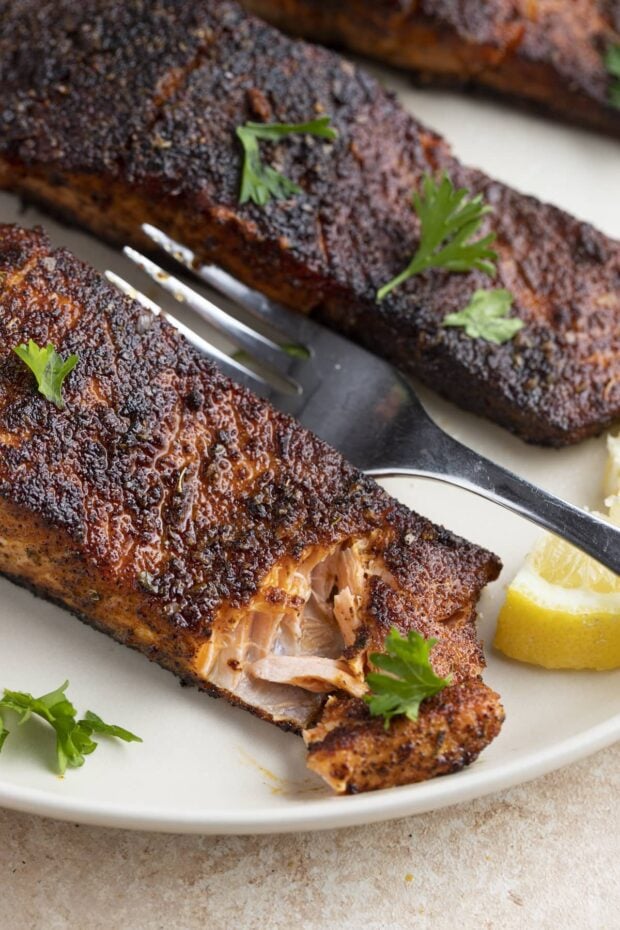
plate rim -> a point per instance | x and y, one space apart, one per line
469 784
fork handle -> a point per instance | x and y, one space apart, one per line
454 463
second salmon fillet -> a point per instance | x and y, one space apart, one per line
116 113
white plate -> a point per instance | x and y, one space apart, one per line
205 767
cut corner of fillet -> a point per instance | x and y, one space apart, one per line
354 752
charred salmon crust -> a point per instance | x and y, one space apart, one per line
540 52
116 113
176 511
354 752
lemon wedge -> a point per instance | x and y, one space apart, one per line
562 610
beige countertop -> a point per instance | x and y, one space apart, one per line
543 855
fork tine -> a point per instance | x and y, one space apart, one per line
290 325
231 367
260 347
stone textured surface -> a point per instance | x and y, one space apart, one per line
543 855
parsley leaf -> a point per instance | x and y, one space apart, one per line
448 220
612 63
48 368
259 182
486 317
94 724
73 737
410 677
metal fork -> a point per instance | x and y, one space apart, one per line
352 399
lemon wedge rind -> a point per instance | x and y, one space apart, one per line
559 628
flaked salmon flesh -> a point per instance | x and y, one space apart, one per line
297 644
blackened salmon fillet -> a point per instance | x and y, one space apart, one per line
115 113
550 53
174 510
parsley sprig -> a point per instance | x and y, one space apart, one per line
612 63
73 737
410 677
259 182
448 221
48 368
486 317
